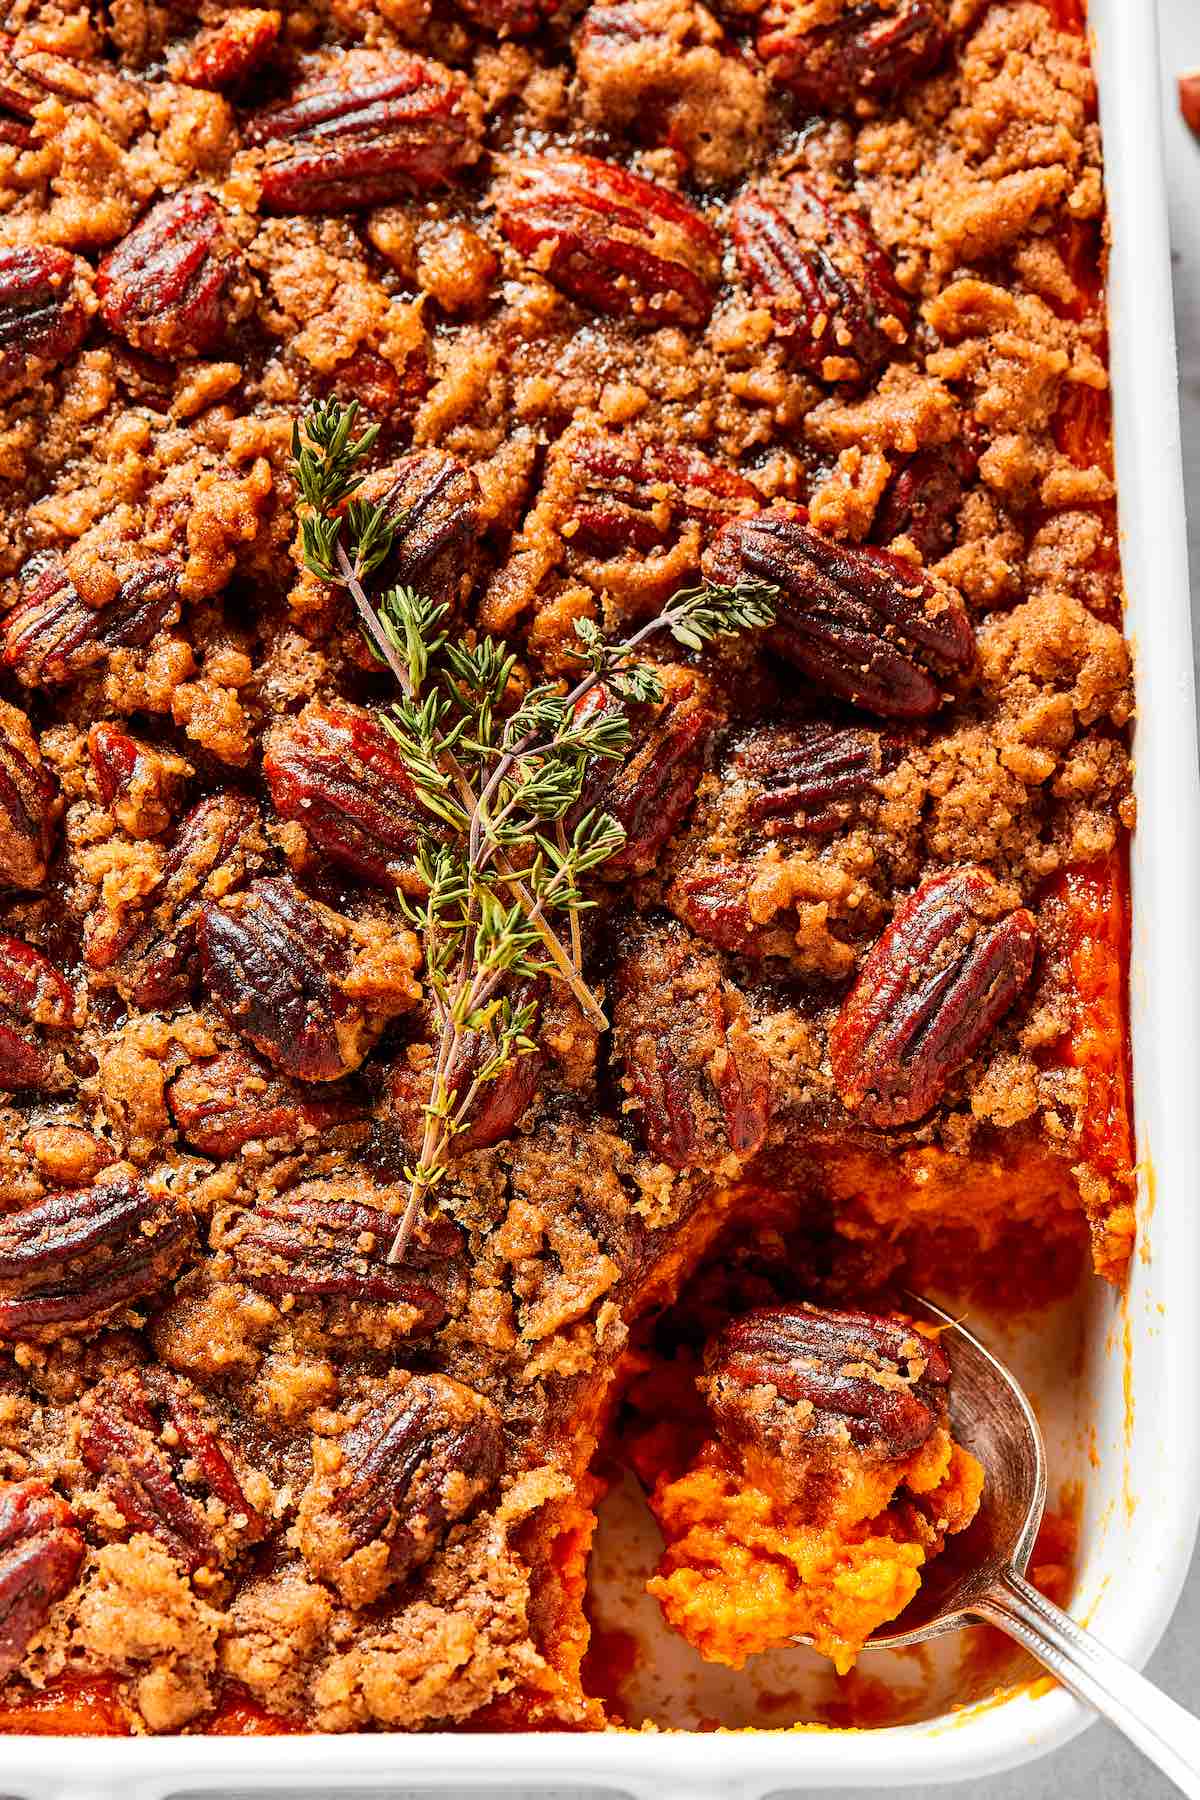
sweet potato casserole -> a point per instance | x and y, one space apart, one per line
792 305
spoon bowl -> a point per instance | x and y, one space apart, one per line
982 1579
990 1417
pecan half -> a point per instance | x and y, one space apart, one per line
42 313
715 904
222 56
697 1082
389 392
816 265
20 94
165 288
921 502
860 623
152 949
870 1378
77 1257
140 786
650 791
806 779
433 502
222 1105
315 1243
781 783
631 493
364 127
500 1104
56 632
953 960
276 964
400 1477
34 998
29 803
40 1554
336 771
619 244
162 1462
869 54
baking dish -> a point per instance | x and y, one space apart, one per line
1128 1396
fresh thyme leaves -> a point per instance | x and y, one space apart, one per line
501 775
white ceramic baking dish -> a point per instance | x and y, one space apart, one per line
1127 1405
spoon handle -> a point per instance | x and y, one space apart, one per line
1163 1731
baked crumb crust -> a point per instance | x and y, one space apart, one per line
168 666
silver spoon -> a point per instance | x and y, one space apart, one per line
992 1417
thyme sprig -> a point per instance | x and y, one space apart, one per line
501 776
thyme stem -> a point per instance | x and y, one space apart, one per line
499 784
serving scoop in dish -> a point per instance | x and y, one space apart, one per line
985 1579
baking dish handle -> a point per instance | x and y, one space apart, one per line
1161 1729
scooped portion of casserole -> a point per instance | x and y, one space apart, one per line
829 1482
563 789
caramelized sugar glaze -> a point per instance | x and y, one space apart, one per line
625 287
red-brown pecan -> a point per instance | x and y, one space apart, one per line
511 18
233 1100
781 1377
953 960
222 56
162 1462
382 1498
433 502
140 785
336 771
630 497
781 782
619 244
807 778
816 265
858 622
696 1080
499 1106
922 500
20 94
76 1257
42 312
867 55
321 1244
651 789
390 392
40 1554
364 127
165 288
61 627
715 904
277 964
29 803
35 999
152 948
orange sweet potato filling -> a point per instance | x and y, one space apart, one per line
741 1575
